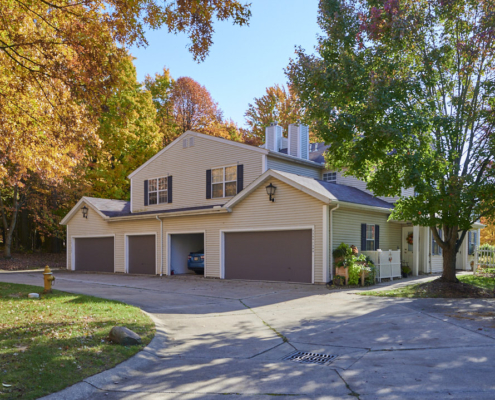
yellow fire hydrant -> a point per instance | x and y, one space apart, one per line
49 279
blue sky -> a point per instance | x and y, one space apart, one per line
243 61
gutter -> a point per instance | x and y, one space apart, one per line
219 210
161 244
331 239
363 207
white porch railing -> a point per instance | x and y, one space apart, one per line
387 263
484 257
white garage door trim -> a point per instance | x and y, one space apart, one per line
73 248
169 246
126 249
285 228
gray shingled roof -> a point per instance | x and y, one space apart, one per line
336 192
121 208
110 207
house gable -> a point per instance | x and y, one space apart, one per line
187 161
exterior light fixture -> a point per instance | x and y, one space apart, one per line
85 212
270 191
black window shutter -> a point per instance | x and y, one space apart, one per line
146 192
169 190
377 237
208 183
240 177
363 237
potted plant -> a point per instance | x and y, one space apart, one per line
341 257
339 280
406 271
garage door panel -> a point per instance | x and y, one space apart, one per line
269 255
142 254
94 254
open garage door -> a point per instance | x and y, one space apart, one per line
285 256
142 254
94 254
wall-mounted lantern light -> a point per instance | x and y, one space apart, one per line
85 212
270 191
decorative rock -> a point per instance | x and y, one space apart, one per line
33 296
124 336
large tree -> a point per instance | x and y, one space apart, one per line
160 86
278 103
128 136
58 60
193 107
487 235
403 91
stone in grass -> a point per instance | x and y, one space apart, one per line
124 336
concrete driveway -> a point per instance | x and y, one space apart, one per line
218 339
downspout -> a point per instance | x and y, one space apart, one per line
161 244
331 240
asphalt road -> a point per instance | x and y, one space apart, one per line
220 339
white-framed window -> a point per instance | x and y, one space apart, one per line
224 182
330 177
370 237
436 250
158 191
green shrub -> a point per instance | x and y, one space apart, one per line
344 250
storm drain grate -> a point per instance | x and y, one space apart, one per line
309 358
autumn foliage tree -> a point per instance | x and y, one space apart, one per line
487 235
58 61
403 91
279 100
128 136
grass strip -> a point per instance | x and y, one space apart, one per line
60 339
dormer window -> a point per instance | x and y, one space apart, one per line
157 191
330 177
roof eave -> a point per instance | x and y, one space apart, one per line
296 160
219 210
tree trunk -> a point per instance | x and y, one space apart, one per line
448 244
9 228
449 261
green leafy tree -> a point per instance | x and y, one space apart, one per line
128 136
403 91
160 86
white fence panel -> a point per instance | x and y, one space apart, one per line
387 263
484 258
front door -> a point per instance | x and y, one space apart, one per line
407 246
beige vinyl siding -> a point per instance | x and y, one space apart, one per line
94 226
293 168
436 264
188 169
292 208
347 228
408 192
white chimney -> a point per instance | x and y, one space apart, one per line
299 141
273 137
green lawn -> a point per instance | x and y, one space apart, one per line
49 344
414 291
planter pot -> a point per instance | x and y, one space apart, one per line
404 275
342 271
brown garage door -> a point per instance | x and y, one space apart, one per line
94 254
142 254
269 255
